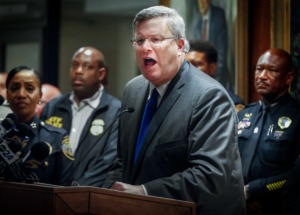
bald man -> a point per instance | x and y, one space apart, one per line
86 113
49 92
268 133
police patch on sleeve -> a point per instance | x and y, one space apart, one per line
66 148
55 121
284 122
97 127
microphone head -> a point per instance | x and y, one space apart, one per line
40 151
7 123
13 117
15 146
130 109
23 129
1 100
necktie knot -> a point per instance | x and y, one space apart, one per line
265 107
153 97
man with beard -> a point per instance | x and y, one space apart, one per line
86 113
268 133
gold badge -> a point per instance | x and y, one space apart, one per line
66 148
284 122
239 107
55 121
97 127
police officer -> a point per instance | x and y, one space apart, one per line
86 113
47 160
268 133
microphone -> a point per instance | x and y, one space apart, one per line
6 125
39 151
17 137
13 117
1 100
10 167
127 110
13 138
18 169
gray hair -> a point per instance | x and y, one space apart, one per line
174 21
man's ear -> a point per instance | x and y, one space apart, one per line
102 74
212 69
290 77
180 44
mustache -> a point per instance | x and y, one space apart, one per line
78 78
261 83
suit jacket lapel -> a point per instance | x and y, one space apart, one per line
140 101
165 106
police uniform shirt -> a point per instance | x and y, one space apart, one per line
278 144
51 169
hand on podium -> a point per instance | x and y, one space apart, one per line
128 188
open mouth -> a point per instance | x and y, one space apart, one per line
148 62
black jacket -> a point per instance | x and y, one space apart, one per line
91 166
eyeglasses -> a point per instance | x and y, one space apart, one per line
154 41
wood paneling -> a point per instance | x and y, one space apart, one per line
259 37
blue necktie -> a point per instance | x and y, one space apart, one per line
149 111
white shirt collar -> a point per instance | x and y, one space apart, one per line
92 101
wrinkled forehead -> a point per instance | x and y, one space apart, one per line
157 25
274 59
269 58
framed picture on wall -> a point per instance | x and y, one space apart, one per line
226 24
214 21
295 45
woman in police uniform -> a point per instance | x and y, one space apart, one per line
23 94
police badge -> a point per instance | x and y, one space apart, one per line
284 122
97 127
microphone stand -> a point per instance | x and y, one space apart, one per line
127 110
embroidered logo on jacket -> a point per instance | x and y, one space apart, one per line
55 121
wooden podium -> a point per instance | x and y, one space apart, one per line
45 199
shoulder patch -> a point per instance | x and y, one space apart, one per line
66 148
55 121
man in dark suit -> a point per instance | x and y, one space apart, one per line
212 26
189 151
